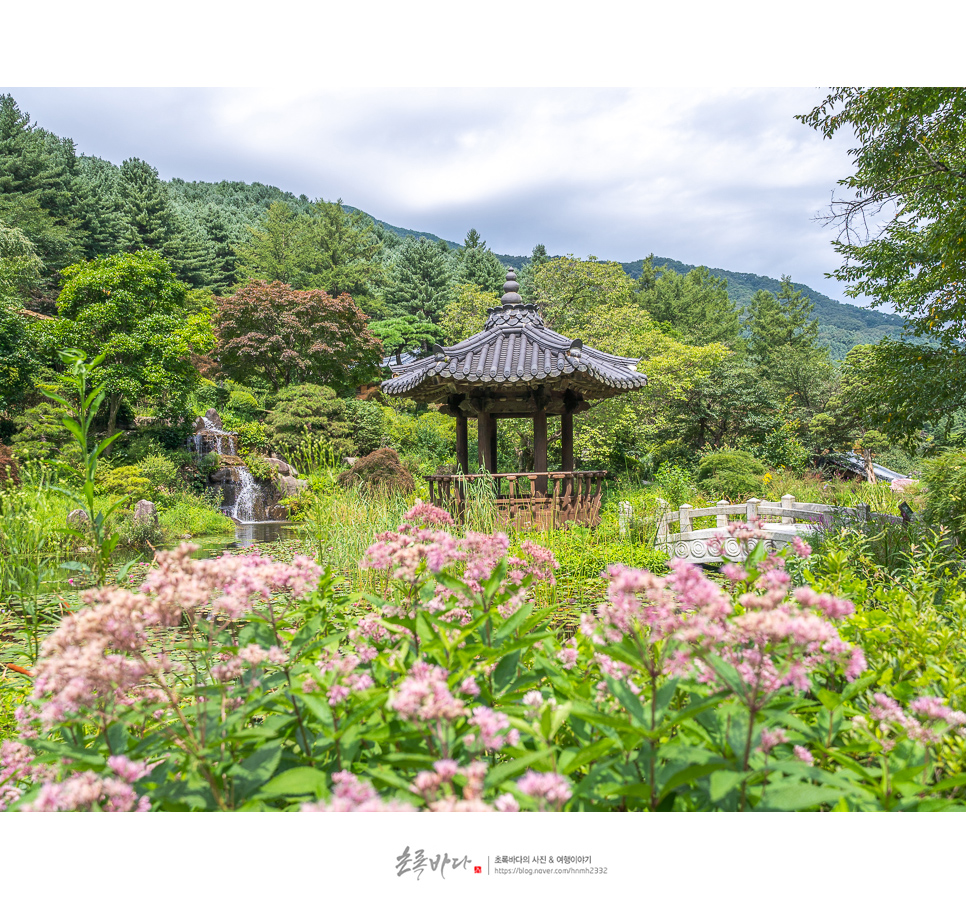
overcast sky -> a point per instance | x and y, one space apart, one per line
721 177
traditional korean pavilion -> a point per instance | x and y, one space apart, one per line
518 368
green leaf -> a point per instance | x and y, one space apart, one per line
798 796
256 770
506 671
723 781
515 767
574 758
296 781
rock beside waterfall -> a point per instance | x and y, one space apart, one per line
284 469
289 485
146 512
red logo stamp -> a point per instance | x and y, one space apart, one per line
477 870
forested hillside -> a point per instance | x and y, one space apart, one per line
271 291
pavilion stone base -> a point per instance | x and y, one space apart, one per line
525 501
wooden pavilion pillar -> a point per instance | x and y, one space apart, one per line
462 446
540 451
567 441
486 441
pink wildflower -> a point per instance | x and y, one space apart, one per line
567 656
770 738
494 730
546 788
803 754
430 515
802 549
353 794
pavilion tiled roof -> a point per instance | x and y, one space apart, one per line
513 353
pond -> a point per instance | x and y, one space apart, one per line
245 535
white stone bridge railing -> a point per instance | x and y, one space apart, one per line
678 535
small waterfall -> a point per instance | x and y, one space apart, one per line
245 500
245 495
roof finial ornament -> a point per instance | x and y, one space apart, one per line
510 288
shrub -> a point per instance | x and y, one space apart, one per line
944 478
379 471
243 404
309 409
367 424
161 472
731 474
127 481
677 484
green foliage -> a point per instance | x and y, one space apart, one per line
677 485
466 314
133 309
944 478
909 161
571 293
260 468
127 482
430 435
477 265
308 409
404 334
695 307
419 280
243 404
732 474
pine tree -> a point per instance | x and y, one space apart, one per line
148 219
420 282
782 322
476 264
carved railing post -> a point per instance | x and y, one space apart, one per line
788 501
684 516
751 512
662 511
722 519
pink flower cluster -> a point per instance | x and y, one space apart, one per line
353 794
493 730
546 788
436 786
425 697
89 791
101 653
18 769
773 639
927 721
346 678
411 551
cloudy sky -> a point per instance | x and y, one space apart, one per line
679 164
722 177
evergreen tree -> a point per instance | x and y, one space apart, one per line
419 283
277 249
782 322
695 307
476 264
148 219
526 275
97 206
224 271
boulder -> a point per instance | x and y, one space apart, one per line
145 511
78 518
284 469
289 485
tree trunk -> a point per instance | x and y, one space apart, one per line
869 470
114 404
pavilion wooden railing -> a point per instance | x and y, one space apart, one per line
540 501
